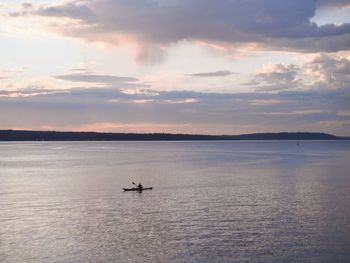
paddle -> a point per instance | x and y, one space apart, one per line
140 190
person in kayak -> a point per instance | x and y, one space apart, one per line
140 187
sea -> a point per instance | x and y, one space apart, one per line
212 201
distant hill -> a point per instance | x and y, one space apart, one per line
287 136
18 135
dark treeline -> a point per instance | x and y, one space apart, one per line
14 135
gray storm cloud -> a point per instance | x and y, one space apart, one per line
274 24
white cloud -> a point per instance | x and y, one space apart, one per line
322 71
3 75
329 71
182 101
9 73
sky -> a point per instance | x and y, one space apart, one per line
178 66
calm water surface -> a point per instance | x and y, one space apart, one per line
211 202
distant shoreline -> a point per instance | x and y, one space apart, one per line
22 135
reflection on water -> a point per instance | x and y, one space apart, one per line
212 202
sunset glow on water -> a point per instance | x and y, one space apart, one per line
211 202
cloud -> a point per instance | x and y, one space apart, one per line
181 101
220 73
296 112
74 10
344 113
8 73
277 77
203 112
327 3
320 71
28 92
329 71
156 24
104 80
27 5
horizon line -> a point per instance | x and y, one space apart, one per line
179 134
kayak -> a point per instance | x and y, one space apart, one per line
137 189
